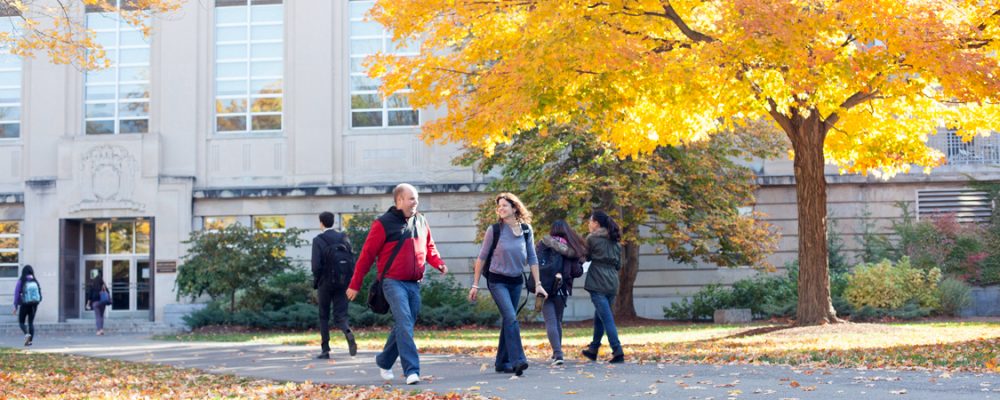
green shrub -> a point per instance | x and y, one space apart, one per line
279 291
889 286
953 295
908 311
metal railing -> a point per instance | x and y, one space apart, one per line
981 150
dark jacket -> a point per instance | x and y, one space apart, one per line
329 237
555 256
605 257
418 248
94 290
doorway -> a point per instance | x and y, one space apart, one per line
119 252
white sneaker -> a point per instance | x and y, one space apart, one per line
412 379
386 374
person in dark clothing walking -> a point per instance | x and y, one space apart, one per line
605 255
27 295
559 254
98 301
330 289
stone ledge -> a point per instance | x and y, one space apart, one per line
733 316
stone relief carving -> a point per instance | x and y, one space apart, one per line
108 178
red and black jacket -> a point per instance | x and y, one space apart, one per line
386 231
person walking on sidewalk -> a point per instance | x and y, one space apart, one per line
99 298
604 253
401 242
332 267
27 295
509 246
559 254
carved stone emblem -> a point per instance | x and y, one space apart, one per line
108 175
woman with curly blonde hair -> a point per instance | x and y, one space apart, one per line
505 259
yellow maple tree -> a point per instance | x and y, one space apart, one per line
857 83
57 28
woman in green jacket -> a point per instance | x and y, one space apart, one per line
605 254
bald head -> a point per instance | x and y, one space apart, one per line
405 197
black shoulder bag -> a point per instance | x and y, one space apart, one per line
376 297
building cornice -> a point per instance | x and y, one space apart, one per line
343 190
936 177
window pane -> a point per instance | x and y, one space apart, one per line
229 106
359 9
229 15
366 119
366 101
365 46
266 104
267 68
266 122
10 95
134 74
136 109
11 78
142 237
404 118
102 110
10 227
411 47
231 70
218 223
142 285
107 39
266 32
8 257
10 131
265 86
104 75
134 126
230 124
134 56
10 113
266 50
9 243
231 88
101 21
357 64
231 51
366 29
101 92
121 237
231 34
94 237
132 38
100 127
359 83
9 60
119 284
134 91
398 100
271 13
269 222
8 271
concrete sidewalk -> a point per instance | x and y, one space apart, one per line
445 373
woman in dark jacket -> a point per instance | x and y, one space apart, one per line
94 290
558 252
26 311
604 253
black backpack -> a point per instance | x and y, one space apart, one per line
337 260
527 234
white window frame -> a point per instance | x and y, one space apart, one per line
114 53
248 61
7 24
387 45
17 250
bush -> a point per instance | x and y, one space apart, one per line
279 291
908 311
888 286
953 296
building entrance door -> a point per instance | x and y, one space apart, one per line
119 253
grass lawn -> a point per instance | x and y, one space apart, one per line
30 375
952 346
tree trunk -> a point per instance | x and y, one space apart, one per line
232 301
815 306
624 307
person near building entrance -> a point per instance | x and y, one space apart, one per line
27 295
605 255
99 298
401 241
332 266
508 256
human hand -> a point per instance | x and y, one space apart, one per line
540 291
351 294
473 294
444 269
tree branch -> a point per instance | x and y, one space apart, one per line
671 14
855 99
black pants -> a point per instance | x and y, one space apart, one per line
27 312
329 294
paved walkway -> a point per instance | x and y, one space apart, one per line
444 373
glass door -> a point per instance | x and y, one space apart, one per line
118 252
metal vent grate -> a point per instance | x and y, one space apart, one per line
967 205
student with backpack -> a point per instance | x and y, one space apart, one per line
604 251
505 259
332 268
99 298
559 255
27 295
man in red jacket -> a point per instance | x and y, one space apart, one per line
406 229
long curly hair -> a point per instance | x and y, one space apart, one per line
521 212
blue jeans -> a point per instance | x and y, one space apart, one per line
509 350
404 302
604 321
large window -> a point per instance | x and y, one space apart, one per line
249 54
10 81
10 248
269 223
117 97
214 224
116 237
368 108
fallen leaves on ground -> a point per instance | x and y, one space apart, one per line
36 375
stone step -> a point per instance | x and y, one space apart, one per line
82 326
